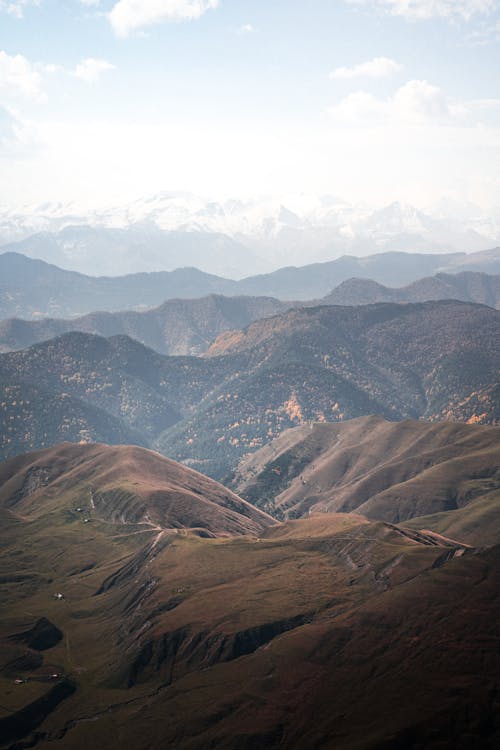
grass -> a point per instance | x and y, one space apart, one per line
315 631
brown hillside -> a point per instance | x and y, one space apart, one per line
393 471
169 640
124 484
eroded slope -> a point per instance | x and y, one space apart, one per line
392 471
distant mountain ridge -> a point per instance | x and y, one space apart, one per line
32 288
436 360
143 247
183 327
467 286
238 237
178 327
392 269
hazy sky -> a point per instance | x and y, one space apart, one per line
371 100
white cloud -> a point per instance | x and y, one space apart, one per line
247 28
485 33
487 104
91 3
425 9
417 102
16 7
379 67
90 69
420 101
50 68
18 137
18 76
127 16
358 107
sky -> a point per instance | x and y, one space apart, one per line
369 100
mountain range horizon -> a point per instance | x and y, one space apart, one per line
238 237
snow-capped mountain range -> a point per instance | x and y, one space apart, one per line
235 238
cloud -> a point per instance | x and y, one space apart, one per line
50 68
417 102
426 9
128 16
487 104
90 69
22 79
485 33
18 76
379 67
16 7
247 28
91 3
18 137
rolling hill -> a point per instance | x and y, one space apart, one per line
436 360
32 288
126 630
447 472
125 485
